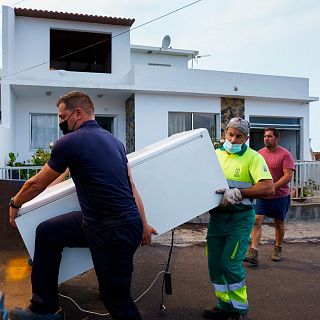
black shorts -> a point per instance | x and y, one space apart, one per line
276 208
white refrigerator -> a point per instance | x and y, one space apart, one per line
175 177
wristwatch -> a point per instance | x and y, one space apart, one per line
13 205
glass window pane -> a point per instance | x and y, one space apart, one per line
178 122
207 121
44 129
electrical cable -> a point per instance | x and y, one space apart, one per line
166 281
164 285
117 35
106 314
13 4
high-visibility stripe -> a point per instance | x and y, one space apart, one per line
235 294
220 287
236 286
241 185
235 250
239 305
238 184
223 296
238 295
221 291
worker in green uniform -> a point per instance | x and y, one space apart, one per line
231 222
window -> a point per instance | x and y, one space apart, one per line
183 121
44 129
95 56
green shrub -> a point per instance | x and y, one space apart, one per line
40 157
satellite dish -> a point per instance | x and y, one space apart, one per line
166 42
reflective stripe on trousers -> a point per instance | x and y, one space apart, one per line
235 294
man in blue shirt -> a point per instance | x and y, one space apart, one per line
111 223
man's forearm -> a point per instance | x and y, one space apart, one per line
28 191
140 206
259 190
282 182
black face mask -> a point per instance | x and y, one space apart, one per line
64 125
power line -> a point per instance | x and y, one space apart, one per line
18 2
15 3
117 35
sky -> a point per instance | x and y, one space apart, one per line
274 37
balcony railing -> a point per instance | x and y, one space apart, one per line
18 173
306 180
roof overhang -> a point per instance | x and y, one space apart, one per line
169 51
44 14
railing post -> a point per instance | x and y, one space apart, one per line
306 180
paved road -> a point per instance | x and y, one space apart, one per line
289 290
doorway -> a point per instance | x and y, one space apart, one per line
107 123
289 129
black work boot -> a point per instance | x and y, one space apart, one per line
216 313
237 316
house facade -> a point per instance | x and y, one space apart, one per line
141 94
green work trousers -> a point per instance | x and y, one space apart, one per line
227 240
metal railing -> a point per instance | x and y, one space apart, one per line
18 173
306 180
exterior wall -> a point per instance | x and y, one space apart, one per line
8 29
151 113
7 125
5 145
157 90
26 105
225 84
30 46
283 109
7 105
143 58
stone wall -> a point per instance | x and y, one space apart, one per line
230 108
130 124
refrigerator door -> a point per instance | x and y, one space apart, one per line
175 177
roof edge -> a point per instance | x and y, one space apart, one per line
44 14
159 50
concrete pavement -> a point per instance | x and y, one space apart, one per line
296 231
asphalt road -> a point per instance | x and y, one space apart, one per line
288 290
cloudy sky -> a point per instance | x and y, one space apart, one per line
277 37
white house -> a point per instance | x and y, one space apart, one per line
141 94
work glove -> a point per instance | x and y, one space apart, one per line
230 197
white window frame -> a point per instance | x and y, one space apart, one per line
216 116
30 129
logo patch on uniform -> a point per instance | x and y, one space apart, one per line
237 173
265 168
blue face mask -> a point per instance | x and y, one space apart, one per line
232 148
